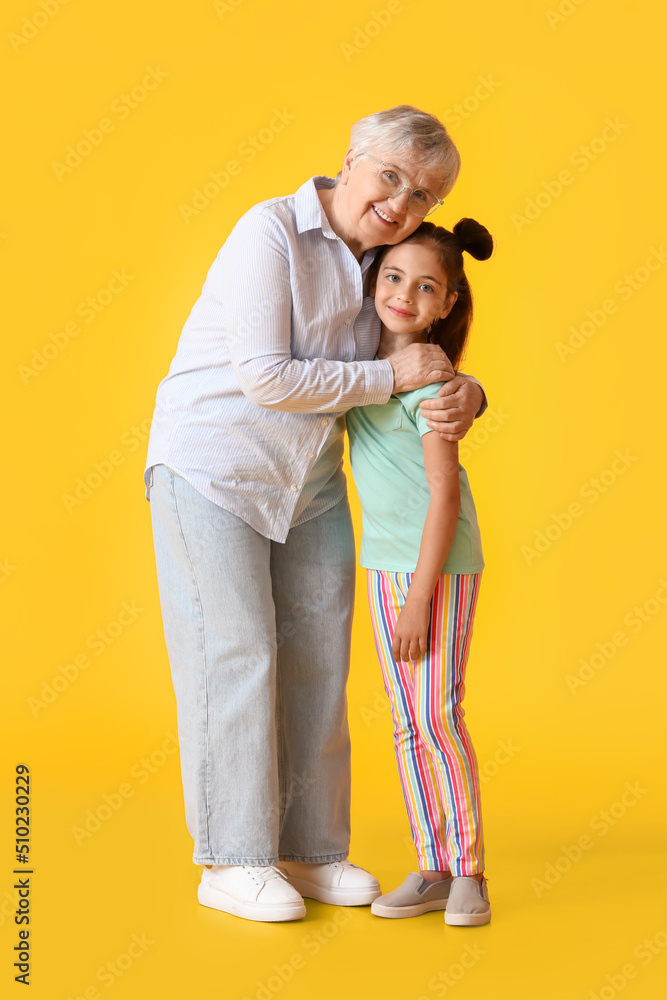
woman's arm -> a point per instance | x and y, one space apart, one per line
257 297
441 461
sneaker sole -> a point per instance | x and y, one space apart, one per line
397 912
219 900
467 919
361 896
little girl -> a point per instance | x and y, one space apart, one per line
422 550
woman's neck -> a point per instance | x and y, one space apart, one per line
333 203
391 342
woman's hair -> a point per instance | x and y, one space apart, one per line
450 333
412 131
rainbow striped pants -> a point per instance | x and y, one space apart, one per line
436 760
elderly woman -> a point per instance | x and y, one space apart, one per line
253 537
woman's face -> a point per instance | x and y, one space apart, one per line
373 217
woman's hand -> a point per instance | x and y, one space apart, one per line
452 414
418 365
411 632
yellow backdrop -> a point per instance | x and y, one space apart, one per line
135 134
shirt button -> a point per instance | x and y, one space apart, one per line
310 454
293 488
348 321
324 422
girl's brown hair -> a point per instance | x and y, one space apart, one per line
451 333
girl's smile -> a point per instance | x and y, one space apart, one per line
411 290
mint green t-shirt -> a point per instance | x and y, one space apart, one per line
387 460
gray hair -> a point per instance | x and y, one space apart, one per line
408 129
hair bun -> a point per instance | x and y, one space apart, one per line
474 238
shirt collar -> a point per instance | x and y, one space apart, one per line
309 213
308 209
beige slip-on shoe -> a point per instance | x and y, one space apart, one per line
468 904
414 897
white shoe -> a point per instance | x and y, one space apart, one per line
256 893
338 882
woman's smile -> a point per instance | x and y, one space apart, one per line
387 219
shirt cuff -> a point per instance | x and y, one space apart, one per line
379 381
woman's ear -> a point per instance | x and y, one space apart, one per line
449 304
347 165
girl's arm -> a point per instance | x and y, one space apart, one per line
441 461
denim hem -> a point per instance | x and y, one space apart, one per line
320 859
315 859
235 861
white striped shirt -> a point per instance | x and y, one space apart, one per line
278 346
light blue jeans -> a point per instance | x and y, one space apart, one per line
258 636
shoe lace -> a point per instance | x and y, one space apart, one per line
263 873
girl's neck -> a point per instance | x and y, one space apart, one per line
391 342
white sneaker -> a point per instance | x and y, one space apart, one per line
338 882
256 893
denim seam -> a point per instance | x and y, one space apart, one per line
280 749
203 638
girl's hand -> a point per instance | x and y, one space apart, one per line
411 632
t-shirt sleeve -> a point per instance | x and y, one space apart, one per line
410 402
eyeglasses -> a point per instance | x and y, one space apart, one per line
391 182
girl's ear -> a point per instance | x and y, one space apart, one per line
449 304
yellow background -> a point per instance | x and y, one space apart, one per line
559 424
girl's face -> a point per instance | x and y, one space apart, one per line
411 288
